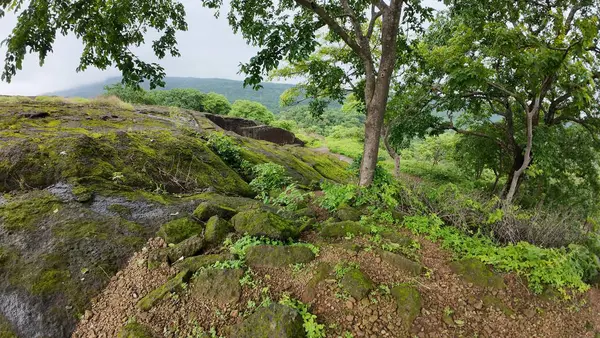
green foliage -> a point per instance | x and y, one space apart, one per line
292 198
268 177
178 97
289 125
560 268
226 148
251 110
323 124
311 326
335 195
216 104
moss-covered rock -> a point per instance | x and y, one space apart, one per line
356 283
408 301
263 223
172 285
221 286
206 210
26 211
136 330
274 321
216 230
402 263
491 301
189 247
6 330
342 229
278 256
395 237
474 271
157 257
348 213
196 263
227 202
180 229
322 271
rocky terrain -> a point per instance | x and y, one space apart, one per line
120 221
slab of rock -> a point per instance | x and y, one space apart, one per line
408 301
178 230
216 230
278 256
342 229
206 210
274 321
263 223
402 263
357 284
219 285
474 271
322 272
173 284
348 213
189 247
397 238
196 263
136 330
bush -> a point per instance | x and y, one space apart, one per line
288 125
216 104
226 148
268 177
251 110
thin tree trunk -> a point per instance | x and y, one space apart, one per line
377 89
391 151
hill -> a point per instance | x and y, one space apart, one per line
232 89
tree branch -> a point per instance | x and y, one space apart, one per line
374 17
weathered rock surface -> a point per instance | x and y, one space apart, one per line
136 330
474 271
278 256
189 247
408 301
216 230
263 223
173 284
180 229
195 263
357 284
219 285
206 210
342 229
274 321
253 130
348 213
402 263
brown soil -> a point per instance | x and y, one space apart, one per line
445 296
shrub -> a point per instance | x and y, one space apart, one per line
226 148
216 104
292 198
289 125
268 177
251 110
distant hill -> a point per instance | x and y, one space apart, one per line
232 89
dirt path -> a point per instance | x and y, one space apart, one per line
451 307
325 150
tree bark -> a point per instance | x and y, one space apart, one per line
391 151
377 88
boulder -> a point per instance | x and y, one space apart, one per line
136 330
196 263
322 272
474 271
178 230
397 238
357 284
342 229
189 247
274 321
278 256
158 257
173 284
402 263
408 301
216 230
271 134
206 210
347 213
219 285
263 223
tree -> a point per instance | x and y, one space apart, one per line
502 70
187 98
251 110
216 104
285 29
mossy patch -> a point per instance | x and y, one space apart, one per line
172 285
195 263
408 301
474 271
178 230
278 256
263 223
206 210
135 330
402 263
356 283
491 301
342 229
6 330
187 248
273 321
25 212
219 285
216 230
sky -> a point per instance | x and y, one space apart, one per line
209 49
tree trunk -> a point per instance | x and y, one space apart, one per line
391 151
377 89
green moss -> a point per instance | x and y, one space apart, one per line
263 223
25 212
275 320
342 229
6 330
408 301
207 210
217 229
178 230
474 271
135 330
492 301
195 263
356 283
50 281
120 209
278 256
172 285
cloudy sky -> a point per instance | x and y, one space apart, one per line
209 49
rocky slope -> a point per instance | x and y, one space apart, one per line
85 183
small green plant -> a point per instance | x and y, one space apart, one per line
335 195
342 295
250 305
247 279
268 177
342 268
291 198
297 267
312 328
226 148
